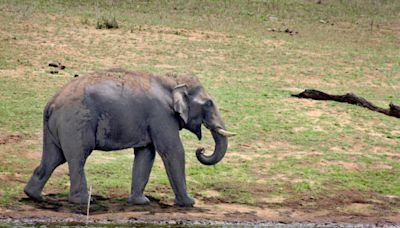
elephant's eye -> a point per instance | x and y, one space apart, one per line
209 103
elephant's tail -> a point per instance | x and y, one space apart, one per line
46 129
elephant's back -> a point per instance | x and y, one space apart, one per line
102 82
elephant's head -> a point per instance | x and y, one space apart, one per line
194 108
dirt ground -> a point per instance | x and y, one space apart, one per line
351 209
57 209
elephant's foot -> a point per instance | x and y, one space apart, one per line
138 200
79 199
34 195
184 202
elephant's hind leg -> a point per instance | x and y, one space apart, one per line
144 159
77 145
52 157
76 155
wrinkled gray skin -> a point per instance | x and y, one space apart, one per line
117 109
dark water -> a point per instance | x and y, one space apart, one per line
47 223
92 225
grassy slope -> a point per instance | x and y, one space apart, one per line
288 150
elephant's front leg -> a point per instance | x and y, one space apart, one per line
174 161
144 159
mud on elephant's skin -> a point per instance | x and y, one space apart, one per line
118 109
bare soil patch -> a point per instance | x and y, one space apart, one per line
193 35
353 206
10 138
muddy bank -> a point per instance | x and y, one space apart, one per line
55 211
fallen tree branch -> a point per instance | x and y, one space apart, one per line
393 110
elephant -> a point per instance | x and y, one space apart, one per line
118 109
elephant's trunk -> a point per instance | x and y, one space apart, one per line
221 145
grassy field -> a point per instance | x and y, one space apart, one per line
289 153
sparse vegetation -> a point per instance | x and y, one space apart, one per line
290 154
106 23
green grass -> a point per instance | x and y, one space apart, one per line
285 146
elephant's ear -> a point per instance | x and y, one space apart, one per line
179 95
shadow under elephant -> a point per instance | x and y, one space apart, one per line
103 205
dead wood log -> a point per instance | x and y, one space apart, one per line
393 110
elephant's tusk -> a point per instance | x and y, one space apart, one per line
225 133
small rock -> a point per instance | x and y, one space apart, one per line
54 72
76 75
57 65
288 31
53 64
